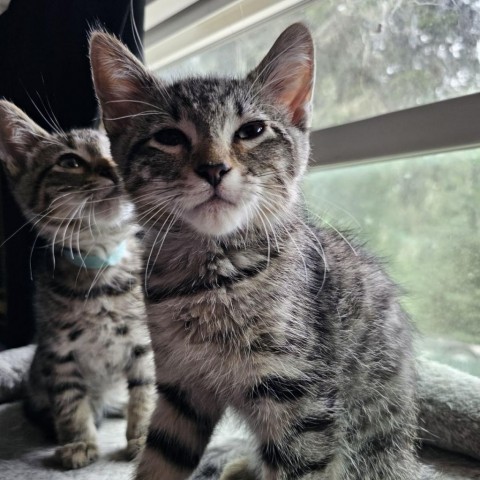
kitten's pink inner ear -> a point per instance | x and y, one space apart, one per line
286 74
299 95
120 81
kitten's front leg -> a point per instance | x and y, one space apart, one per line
141 388
74 423
294 428
178 435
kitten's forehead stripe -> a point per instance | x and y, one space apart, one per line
175 112
38 185
207 98
90 144
239 108
185 100
70 141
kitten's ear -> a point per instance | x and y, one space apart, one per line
287 73
18 135
120 81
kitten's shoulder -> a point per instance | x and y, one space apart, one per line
350 262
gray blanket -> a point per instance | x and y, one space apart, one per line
25 454
449 412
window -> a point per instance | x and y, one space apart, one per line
372 56
422 216
397 81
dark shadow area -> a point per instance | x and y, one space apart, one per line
45 71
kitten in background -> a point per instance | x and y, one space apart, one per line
251 307
90 315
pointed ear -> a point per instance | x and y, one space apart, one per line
120 81
18 135
287 73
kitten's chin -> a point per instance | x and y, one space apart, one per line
216 218
114 212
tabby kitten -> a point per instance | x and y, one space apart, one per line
251 307
89 305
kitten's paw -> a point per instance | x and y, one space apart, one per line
77 454
134 447
239 469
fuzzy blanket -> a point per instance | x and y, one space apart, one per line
14 365
449 402
445 393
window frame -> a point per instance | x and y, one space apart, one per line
432 128
204 24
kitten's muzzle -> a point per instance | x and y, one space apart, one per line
212 173
108 173
103 187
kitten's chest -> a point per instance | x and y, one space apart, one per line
222 339
219 311
224 317
105 349
100 333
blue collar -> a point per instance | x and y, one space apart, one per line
96 262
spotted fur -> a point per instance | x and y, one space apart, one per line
295 328
91 324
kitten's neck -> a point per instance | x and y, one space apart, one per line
95 250
186 257
97 261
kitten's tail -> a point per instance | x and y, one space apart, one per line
449 408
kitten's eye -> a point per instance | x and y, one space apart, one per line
171 137
250 130
69 161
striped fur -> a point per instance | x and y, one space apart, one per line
295 328
91 324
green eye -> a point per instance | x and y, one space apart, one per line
69 161
250 130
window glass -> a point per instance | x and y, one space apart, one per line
422 215
373 56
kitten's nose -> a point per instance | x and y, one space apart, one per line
212 173
104 169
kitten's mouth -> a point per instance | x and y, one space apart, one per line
216 215
107 194
215 199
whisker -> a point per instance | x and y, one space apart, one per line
344 238
14 233
46 120
147 271
133 26
257 209
141 114
95 280
136 101
174 218
147 212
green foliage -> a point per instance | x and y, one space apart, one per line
372 56
392 54
421 214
